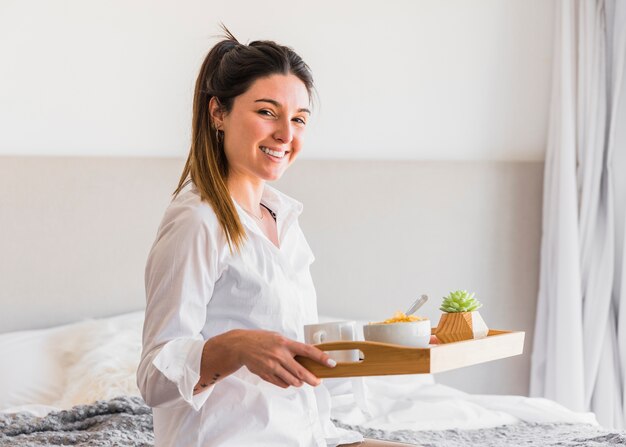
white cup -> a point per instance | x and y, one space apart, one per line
315 334
411 333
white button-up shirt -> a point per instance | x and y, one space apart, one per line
196 289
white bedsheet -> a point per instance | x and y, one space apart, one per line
401 403
97 347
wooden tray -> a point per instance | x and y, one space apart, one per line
384 359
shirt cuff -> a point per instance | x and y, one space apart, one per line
179 361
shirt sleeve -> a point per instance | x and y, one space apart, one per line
180 275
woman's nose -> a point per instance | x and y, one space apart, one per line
284 132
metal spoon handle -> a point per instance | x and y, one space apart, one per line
417 304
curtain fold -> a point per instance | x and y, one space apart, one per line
579 352
617 164
557 361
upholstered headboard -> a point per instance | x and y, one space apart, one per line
75 232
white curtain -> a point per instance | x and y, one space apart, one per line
579 352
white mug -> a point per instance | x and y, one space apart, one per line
333 331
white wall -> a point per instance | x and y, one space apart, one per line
402 79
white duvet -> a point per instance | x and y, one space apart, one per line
406 403
57 368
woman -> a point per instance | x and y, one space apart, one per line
227 280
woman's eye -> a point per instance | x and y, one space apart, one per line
266 112
300 121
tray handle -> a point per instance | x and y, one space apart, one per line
372 351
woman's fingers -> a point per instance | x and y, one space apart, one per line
274 379
301 373
271 356
313 353
287 377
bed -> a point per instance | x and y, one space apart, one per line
74 243
75 385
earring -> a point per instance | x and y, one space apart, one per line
219 136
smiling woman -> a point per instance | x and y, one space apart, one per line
250 104
228 287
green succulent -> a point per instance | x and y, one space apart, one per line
460 301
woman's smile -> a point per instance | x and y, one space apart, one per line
276 155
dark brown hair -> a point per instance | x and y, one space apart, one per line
228 71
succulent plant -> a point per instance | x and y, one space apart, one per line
460 301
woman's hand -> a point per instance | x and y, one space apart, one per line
267 354
270 356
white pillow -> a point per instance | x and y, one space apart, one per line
103 361
33 367
72 364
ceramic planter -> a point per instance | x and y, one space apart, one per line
460 326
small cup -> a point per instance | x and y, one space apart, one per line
315 334
412 333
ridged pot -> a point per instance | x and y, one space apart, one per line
459 326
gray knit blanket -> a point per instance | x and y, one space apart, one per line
123 421
127 421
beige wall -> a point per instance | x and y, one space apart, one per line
75 233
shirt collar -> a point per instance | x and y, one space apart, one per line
286 209
280 203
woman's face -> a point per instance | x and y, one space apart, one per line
263 132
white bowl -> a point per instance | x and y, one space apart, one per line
413 333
